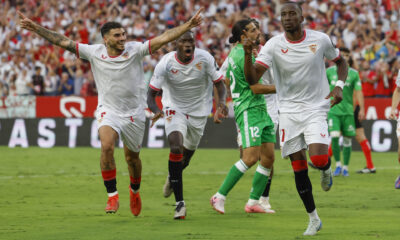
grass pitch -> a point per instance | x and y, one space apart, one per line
58 193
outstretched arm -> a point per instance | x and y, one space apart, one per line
51 36
173 34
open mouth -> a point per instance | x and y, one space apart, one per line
188 52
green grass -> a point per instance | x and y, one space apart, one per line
58 194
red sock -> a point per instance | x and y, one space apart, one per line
367 153
109 175
135 183
330 153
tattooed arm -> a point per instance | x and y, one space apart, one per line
172 34
51 36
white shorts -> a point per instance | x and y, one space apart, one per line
239 136
191 127
398 128
129 128
297 131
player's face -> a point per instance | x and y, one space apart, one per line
116 39
291 18
253 33
345 55
185 46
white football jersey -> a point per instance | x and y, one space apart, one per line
299 70
187 87
398 79
119 80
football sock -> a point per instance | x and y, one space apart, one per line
303 184
187 155
365 146
260 180
336 149
236 172
135 183
346 155
330 153
313 215
267 188
110 181
175 175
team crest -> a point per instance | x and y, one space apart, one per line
168 119
313 48
174 71
125 55
199 66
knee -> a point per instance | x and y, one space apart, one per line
107 148
250 160
346 142
175 148
130 160
320 160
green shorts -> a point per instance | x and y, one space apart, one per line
342 123
256 127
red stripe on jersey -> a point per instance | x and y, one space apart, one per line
77 50
262 64
337 58
298 41
174 157
154 88
109 175
219 79
150 47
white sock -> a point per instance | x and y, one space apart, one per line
252 202
112 194
345 167
176 204
313 215
264 198
338 164
219 195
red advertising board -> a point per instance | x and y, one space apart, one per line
70 107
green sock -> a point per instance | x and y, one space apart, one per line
336 149
260 180
346 155
233 177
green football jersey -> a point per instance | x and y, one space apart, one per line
242 96
352 83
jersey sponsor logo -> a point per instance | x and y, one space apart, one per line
284 51
103 57
174 71
199 66
313 48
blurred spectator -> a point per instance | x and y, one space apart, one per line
368 79
78 82
38 82
66 85
3 89
51 82
22 83
89 87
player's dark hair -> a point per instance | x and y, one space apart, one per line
237 30
253 20
297 4
344 49
108 26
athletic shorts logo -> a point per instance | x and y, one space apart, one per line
284 51
323 135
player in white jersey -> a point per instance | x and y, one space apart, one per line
186 77
297 60
118 73
393 113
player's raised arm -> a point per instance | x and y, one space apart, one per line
176 32
53 37
252 72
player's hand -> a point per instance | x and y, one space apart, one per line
197 19
220 113
156 117
248 45
393 114
361 115
25 22
337 94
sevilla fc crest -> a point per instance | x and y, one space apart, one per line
313 48
199 66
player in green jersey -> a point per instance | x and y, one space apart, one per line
256 127
341 116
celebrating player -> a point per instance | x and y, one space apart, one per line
186 77
393 113
118 73
297 60
341 116
255 125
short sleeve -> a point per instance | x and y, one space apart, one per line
85 51
357 82
158 76
264 57
330 51
224 66
215 75
142 49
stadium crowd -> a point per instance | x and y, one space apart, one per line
31 65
